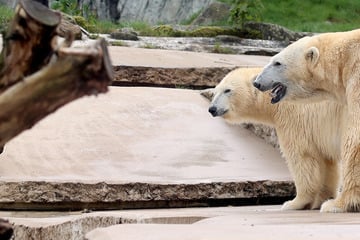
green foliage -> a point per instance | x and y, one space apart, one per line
66 6
82 16
245 10
313 15
6 14
306 15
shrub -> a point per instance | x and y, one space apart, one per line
245 10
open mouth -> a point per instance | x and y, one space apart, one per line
278 92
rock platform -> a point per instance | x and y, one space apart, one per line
157 148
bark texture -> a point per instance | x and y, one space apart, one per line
38 75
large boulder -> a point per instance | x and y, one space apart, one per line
214 13
125 34
271 31
68 25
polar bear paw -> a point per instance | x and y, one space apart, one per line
330 206
293 205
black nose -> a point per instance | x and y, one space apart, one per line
213 110
256 84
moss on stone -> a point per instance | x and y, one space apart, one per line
166 31
82 22
205 31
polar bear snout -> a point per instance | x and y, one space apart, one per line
216 112
213 111
256 84
261 84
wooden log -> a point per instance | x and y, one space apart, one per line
6 230
38 76
28 43
72 76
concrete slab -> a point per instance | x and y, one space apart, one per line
133 146
139 134
243 222
181 59
254 222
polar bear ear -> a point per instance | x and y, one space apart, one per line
208 93
312 55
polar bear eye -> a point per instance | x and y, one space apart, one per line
277 63
227 90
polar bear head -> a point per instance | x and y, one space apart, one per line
234 97
292 73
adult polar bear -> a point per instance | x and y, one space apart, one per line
307 133
319 67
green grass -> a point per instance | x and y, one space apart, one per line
102 26
313 15
220 49
142 28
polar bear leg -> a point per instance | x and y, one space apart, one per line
349 198
330 184
309 178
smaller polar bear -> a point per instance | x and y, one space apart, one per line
309 134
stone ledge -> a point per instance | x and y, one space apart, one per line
76 196
194 78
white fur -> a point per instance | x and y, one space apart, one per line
309 134
326 66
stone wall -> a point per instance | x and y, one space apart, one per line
150 11
165 11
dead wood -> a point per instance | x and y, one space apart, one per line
6 230
38 76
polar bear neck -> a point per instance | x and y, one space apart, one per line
254 106
338 63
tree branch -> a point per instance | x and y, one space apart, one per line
38 76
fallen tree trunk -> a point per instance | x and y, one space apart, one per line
38 75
